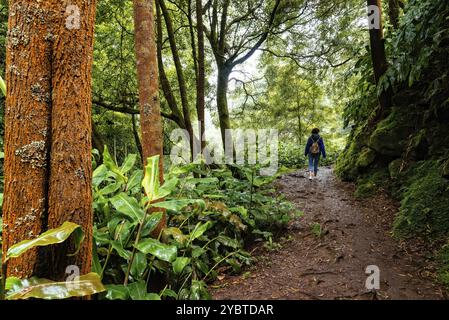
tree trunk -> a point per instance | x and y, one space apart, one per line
27 128
222 100
394 9
147 78
48 167
378 56
201 79
179 73
165 84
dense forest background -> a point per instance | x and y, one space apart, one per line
312 67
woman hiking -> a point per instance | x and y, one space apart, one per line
314 149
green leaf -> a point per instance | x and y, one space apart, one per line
135 179
177 205
169 293
151 223
160 250
179 264
11 282
200 228
139 265
100 174
110 188
52 236
176 233
138 290
150 182
167 188
117 246
153 296
203 180
229 242
197 252
3 86
128 206
117 292
111 165
96 266
128 164
86 285
198 291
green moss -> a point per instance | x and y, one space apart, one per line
366 189
366 157
425 204
347 164
443 259
394 168
371 183
390 136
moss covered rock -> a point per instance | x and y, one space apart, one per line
391 135
347 163
425 205
365 158
394 168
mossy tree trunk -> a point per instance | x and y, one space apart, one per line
48 131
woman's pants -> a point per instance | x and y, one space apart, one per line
314 160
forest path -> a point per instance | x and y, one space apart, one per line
356 234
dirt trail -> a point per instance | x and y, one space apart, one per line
355 234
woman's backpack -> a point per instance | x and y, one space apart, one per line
315 148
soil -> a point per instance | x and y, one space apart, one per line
331 264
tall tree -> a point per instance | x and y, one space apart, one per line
201 77
378 55
227 21
48 166
147 79
179 72
394 7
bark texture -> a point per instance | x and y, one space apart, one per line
48 131
27 128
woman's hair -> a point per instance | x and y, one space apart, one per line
315 131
